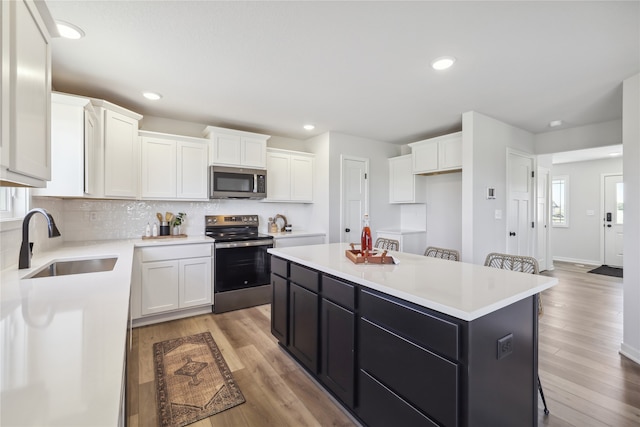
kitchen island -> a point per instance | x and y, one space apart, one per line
421 342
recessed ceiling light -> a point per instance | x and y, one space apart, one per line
555 123
69 31
309 127
152 96
443 62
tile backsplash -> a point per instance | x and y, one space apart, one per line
92 219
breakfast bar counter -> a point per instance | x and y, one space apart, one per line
423 341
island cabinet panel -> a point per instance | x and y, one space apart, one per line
435 333
303 326
424 380
337 341
381 407
279 310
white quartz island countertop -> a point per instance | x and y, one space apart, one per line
64 338
462 290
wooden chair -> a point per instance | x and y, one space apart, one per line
387 244
450 254
523 264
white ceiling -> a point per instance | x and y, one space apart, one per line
360 68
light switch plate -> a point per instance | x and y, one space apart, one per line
498 214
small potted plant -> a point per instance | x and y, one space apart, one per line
177 222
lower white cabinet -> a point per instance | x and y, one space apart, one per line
285 242
172 278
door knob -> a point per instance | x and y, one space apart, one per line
512 233
346 230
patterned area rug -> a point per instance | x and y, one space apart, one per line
605 270
192 380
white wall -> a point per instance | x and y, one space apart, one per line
444 210
484 156
578 138
631 142
580 242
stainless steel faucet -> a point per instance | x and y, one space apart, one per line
27 247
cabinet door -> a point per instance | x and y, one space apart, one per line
301 178
159 286
450 153
425 157
278 176
401 188
338 350
226 150
120 155
26 94
90 147
195 282
192 170
279 307
158 168
254 153
303 326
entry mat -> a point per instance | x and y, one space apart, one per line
605 270
193 380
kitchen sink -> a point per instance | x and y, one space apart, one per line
79 266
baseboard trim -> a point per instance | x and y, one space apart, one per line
577 261
630 353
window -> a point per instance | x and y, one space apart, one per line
13 204
560 201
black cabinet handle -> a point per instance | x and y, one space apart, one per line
512 233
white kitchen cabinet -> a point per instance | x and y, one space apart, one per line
231 147
411 241
289 176
118 158
25 93
440 154
404 185
172 278
173 166
73 147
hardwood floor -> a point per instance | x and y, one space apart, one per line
586 382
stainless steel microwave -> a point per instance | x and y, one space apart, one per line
237 183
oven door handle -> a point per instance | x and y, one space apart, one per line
230 245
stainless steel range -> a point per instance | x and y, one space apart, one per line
242 265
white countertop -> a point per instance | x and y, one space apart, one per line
465 291
289 234
64 338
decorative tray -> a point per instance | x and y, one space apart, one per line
173 236
372 257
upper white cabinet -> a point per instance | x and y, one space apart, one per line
74 139
25 93
119 139
404 185
173 166
237 148
440 154
289 176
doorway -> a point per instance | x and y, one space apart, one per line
613 220
355 197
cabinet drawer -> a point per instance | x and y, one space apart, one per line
426 330
427 381
175 252
340 292
304 277
279 267
379 406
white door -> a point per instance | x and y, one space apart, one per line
542 218
519 208
355 188
613 220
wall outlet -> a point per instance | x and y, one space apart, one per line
505 346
